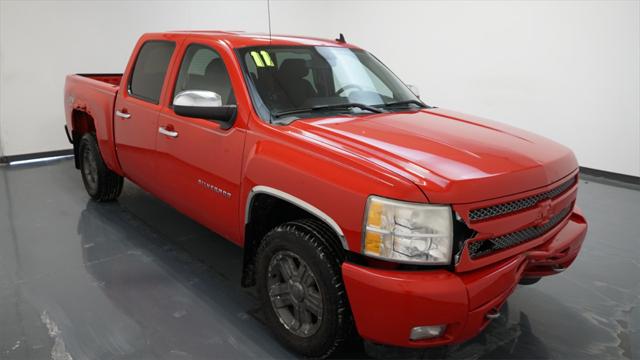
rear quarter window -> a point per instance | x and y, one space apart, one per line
150 69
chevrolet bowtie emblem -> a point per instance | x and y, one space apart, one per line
545 211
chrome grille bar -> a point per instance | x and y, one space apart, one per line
520 204
486 247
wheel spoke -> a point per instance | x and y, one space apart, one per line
307 279
279 289
299 315
287 268
305 315
280 295
301 273
313 302
280 302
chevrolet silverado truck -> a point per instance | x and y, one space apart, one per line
358 206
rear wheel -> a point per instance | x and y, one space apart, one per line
301 290
101 183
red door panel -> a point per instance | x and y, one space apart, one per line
136 128
200 166
136 110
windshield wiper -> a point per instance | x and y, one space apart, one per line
329 107
403 103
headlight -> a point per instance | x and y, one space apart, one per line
408 232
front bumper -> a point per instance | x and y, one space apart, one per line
387 304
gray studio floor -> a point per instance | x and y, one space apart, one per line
136 280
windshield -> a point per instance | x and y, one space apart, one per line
299 81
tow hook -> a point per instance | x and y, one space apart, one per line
493 314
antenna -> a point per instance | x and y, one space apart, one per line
269 16
341 39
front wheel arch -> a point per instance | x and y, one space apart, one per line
264 212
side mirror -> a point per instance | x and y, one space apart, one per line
203 104
414 89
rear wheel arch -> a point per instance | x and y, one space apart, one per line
267 208
81 123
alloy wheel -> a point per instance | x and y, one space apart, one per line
295 294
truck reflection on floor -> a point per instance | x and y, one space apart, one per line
181 293
508 337
505 338
161 302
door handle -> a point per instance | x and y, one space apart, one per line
164 131
123 115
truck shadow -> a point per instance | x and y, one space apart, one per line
141 250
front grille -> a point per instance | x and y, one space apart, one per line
520 204
486 247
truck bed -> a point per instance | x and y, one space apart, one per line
112 79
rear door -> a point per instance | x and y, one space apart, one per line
136 111
201 160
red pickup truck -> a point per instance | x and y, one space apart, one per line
355 202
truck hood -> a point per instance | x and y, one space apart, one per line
452 157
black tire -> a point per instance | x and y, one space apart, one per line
101 183
529 280
306 240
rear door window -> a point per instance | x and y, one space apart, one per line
150 69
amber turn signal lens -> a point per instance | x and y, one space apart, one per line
375 214
372 243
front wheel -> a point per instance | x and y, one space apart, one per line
301 289
101 183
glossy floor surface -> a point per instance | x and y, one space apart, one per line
135 279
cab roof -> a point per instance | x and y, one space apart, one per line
239 39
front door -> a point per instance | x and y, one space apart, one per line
136 112
199 159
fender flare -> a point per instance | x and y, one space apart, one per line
261 189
